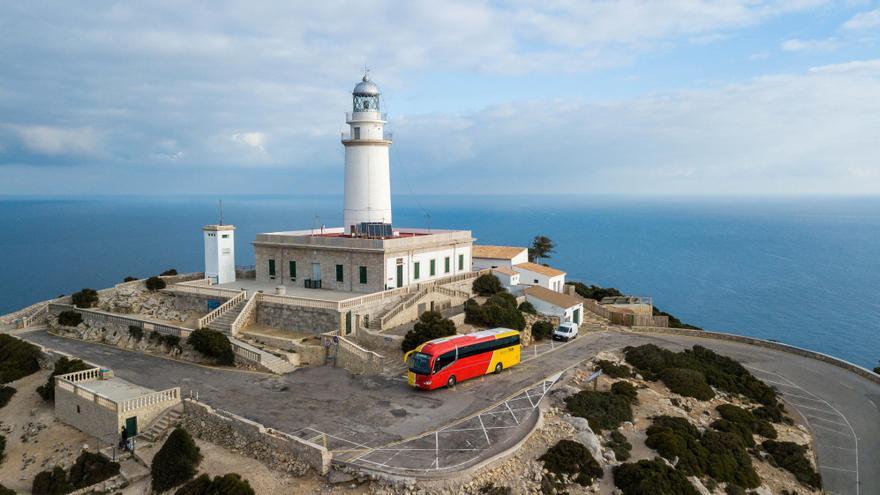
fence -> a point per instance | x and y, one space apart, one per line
101 317
170 395
204 291
229 304
247 314
202 282
352 356
32 317
70 381
245 352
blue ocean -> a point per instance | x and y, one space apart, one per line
804 271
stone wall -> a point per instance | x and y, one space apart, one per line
380 342
350 260
275 449
309 353
298 318
86 415
195 302
356 359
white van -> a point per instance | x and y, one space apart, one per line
566 331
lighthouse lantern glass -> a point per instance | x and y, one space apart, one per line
364 103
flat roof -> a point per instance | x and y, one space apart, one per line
335 238
268 288
115 389
497 252
543 270
552 297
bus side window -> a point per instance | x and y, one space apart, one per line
444 360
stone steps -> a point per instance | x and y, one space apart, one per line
223 323
161 425
268 360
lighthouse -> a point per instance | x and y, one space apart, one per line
367 170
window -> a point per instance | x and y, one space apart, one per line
226 236
433 268
225 251
489 346
339 273
461 262
416 270
292 269
77 409
357 132
362 272
536 281
444 360
446 265
271 268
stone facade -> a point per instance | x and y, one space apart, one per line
298 318
86 415
195 303
351 262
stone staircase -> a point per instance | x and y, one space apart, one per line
223 323
376 320
268 360
162 424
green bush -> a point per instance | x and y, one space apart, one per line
6 394
62 367
175 462
573 459
604 410
720 455
541 330
503 299
593 291
619 445
792 457
625 389
155 283
527 307
613 370
91 468
743 423
6 491
228 484
719 371
486 285
69 318
431 325
2 448
498 311
135 332
673 321
165 339
732 489
52 482
86 298
18 358
129 279
168 272
212 344
687 382
652 477
491 489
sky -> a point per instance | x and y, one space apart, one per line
677 97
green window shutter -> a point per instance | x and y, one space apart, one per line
433 267
271 268
416 270
293 269
339 273
461 262
363 274
446 265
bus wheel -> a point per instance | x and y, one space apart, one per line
498 368
451 382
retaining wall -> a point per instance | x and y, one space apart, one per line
254 440
378 341
195 302
298 318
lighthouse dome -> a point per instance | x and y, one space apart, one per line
366 88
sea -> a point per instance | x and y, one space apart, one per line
799 270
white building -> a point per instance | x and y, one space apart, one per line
499 256
541 276
507 276
552 303
219 253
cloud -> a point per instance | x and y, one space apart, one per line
864 21
49 140
759 56
799 45
256 140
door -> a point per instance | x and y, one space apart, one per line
316 271
348 323
399 276
131 426
577 316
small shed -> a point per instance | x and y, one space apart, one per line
548 302
509 278
540 275
491 257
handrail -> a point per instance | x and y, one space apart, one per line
229 304
201 282
403 305
81 376
204 291
38 312
245 314
171 394
300 301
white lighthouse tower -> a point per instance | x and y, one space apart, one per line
367 174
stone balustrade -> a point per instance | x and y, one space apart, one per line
229 304
169 395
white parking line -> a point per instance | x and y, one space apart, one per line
837 469
828 420
842 433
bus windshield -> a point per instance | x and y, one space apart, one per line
420 363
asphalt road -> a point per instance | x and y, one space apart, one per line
840 407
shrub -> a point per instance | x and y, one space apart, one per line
175 462
168 272
541 330
743 423
614 370
573 459
625 389
129 279
135 332
652 477
673 321
431 325
503 299
6 491
499 311
732 489
593 291
62 367
228 484
6 394
69 318
91 468
52 482
212 344
155 283
18 358
791 457
720 455
604 410
486 285
687 382
527 307
86 298
491 489
619 445
2 447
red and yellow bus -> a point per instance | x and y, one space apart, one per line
448 360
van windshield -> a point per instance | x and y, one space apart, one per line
420 363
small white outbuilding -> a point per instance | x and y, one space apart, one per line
552 303
541 276
487 257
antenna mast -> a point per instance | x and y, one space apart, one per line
221 212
